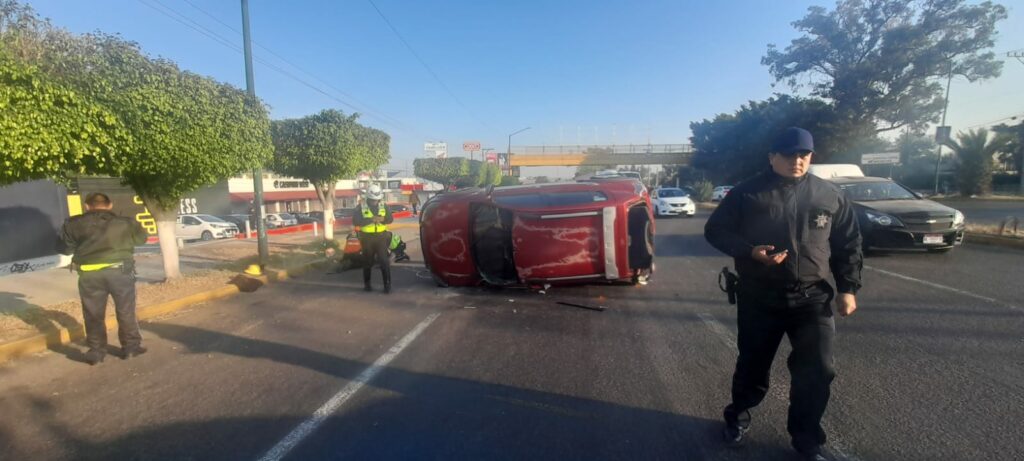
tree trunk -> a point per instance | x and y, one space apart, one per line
326 196
166 225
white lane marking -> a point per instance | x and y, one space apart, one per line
943 287
779 391
328 408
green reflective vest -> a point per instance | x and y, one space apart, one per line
373 228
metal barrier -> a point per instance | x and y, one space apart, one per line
605 149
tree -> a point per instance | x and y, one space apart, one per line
733 147
975 151
186 130
457 171
323 148
883 62
50 131
509 181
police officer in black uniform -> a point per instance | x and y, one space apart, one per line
373 217
103 245
787 230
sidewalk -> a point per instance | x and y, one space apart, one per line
42 301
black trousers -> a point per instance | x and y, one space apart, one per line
94 288
807 319
375 250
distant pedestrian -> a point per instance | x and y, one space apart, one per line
787 231
103 245
414 200
372 217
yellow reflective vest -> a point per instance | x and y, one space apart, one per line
374 228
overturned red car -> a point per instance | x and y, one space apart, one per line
560 233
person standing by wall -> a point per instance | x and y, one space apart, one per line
103 248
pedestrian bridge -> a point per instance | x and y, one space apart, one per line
575 155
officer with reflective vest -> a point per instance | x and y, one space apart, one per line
788 232
373 217
103 245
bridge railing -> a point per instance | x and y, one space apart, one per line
605 149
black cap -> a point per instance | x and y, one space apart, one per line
793 140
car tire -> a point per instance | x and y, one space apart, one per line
207 236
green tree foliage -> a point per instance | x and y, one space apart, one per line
734 147
1014 152
975 151
325 147
50 131
883 62
703 190
510 181
457 171
183 130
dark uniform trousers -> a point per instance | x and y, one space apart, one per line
375 250
805 316
94 288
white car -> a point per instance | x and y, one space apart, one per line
275 220
672 201
204 227
720 192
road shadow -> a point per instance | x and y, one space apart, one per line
423 416
49 322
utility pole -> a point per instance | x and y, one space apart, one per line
257 174
938 150
509 151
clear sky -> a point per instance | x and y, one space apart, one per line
573 70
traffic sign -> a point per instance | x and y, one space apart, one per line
942 134
881 158
470 146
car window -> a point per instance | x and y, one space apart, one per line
552 200
287 216
209 218
671 193
871 191
190 220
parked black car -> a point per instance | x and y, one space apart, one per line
894 217
239 220
311 217
344 213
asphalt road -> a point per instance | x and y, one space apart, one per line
930 367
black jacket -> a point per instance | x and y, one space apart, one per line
809 216
359 220
98 237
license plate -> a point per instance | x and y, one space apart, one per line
933 239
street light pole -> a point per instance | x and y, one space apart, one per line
509 151
257 174
938 150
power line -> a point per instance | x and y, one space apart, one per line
191 24
426 66
367 108
988 124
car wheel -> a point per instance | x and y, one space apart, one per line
207 235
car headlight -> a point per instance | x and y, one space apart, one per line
958 218
882 219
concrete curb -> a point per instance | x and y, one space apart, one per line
995 240
63 336
59 337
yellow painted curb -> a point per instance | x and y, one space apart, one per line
43 341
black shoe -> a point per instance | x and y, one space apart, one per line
387 288
736 427
94 356
403 257
136 351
